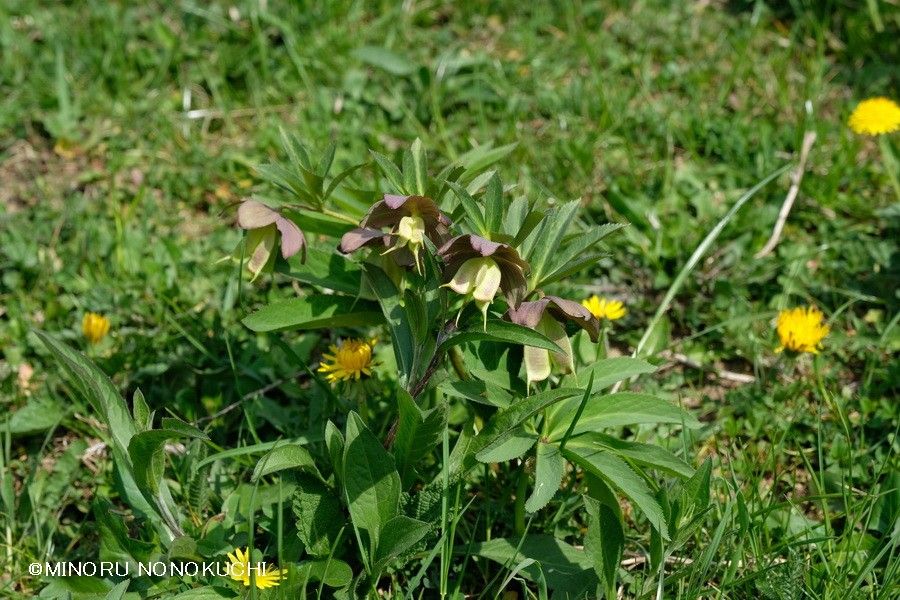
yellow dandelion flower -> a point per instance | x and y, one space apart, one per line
801 329
349 359
604 308
94 327
240 569
875 116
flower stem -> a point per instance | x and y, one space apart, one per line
890 164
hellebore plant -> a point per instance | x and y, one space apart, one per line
462 281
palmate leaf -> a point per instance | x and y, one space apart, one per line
616 472
544 242
314 312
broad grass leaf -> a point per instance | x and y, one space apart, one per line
501 331
622 408
314 312
285 456
604 542
550 466
257 448
319 514
616 472
514 445
565 568
371 483
418 432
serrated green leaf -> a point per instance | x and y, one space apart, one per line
399 535
550 466
371 484
514 445
604 542
619 475
319 514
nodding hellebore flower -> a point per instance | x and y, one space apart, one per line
409 220
547 316
264 225
478 268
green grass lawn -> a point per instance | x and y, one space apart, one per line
130 131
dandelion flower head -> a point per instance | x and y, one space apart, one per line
801 329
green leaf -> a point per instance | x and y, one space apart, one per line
257 448
147 452
205 593
514 445
313 222
565 568
616 410
550 466
115 544
118 592
420 167
390 170
616 472
504 424
502 331
39 414
579 245
371 484
334 573
319 515
286 456
493 204
604 542
613 370
385 59
544 242
334 441
142 416
325 268
400 534
471 209
479 391
418 432
95 387
695 491
478 159
314 312
397 320
647 455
